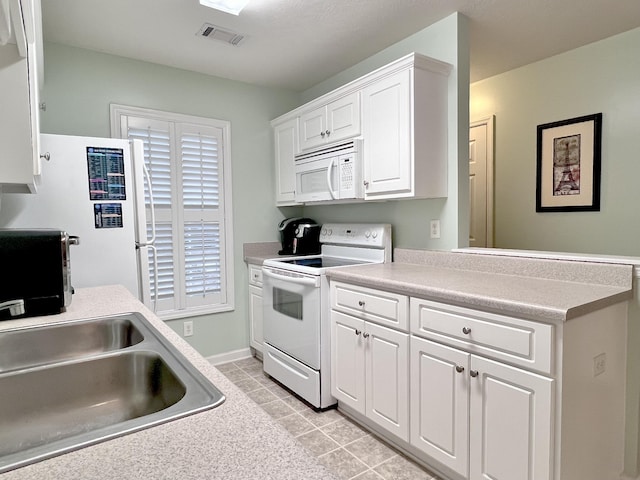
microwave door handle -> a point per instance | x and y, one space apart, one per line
329 186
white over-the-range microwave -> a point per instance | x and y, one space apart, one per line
331 173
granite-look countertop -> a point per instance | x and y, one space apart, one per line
236 440
550 295
257 253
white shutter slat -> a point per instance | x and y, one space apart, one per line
203 273
157 157
164 256
200 170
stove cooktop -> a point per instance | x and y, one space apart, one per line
322 262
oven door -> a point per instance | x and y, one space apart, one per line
291 314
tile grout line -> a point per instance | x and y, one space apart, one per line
274 385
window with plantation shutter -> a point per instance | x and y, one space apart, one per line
189 166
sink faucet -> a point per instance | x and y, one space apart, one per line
15 307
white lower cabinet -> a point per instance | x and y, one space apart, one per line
256 338
370 371
489 396
440 403
480 418
510 422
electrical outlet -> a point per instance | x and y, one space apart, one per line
599 364
187 328
434 229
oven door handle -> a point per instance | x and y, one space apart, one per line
313 281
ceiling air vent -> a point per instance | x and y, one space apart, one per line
220 34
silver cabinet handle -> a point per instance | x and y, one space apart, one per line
322 134
361 303
473 373
358 332
459 368
327 133
466 330
366 184
45 156
365 335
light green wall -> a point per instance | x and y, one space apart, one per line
601 77
446 40
80 85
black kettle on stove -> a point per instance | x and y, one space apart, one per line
299 236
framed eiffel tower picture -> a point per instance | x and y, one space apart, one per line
568 165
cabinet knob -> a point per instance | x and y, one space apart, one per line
365 335
327 133
358 332
366 184
459 368
45 156
361 303
473 373
322 134
466 330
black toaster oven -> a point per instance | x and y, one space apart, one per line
35 268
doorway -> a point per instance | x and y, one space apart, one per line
481 182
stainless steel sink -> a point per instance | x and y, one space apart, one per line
26 347
130 379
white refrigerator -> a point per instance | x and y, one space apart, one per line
92 188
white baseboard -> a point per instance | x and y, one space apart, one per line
229 356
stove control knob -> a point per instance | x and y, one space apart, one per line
367 234
323 232
329 232
374 234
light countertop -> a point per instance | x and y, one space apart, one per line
257 253
236 440
545 291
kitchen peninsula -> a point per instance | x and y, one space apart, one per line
236 440
483 366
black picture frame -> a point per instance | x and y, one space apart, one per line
569 165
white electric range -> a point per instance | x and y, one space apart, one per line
295 295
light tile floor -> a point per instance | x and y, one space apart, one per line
340 444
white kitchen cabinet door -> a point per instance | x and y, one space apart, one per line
286 146
255 317
387 125
511 423
347 361
387 378
440 403
19 97
343 118
313 126
338 120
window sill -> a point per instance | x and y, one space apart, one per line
194 312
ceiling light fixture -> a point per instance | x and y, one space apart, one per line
229 6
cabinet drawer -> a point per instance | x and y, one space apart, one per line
521 342
381 307
255 275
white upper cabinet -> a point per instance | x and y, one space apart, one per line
405 131
20 77
399 111
338 120
285 137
